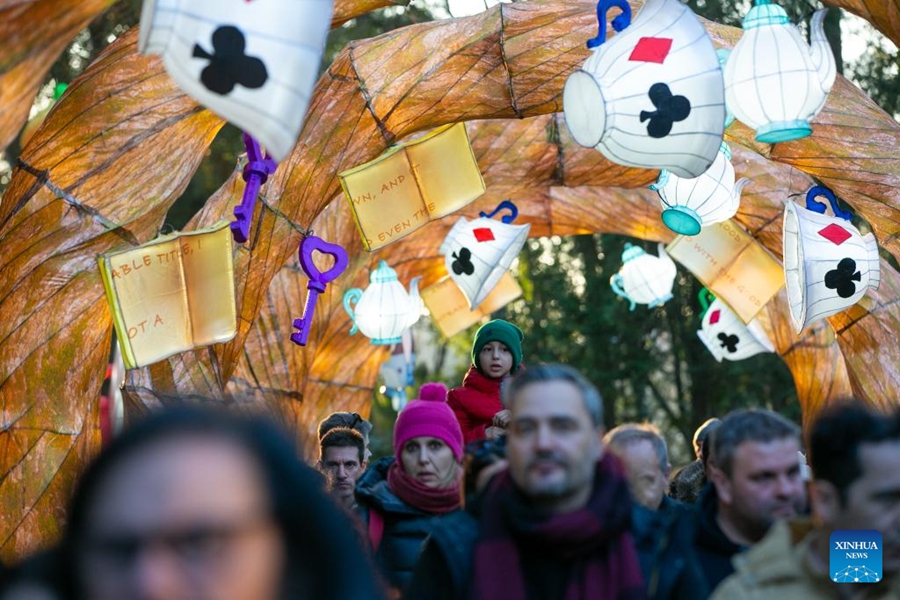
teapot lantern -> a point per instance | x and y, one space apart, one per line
774 81
691 204
644 278
384 310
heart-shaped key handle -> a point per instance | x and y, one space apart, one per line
317 280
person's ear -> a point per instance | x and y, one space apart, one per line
720 480
320 466
364 465
825 501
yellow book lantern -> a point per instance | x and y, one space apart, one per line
732 264
411 184
172 294
449 307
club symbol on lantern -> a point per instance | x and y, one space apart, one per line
228 65
462 263
669 109
728 341
665 54
828 264
725 335
841 278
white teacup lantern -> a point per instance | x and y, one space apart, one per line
385 310
691 204
774 81
653 96
644 278
253 63
828 264
480 251
725 335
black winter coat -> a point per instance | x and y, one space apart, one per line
405 527
713 548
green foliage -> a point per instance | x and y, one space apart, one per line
648 364
877 72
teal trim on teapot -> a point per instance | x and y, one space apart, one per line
661 181
765 14
383 274
352 295
615 282
681 219
783 131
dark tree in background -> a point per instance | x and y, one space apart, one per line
647 363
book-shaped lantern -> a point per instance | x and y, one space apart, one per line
411 184
449 308
828 264
732 264
653 96
253 63
725 335
172 294
479 252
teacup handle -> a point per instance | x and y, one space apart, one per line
619 23
505 205
705 297
820 207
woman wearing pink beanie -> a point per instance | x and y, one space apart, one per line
402 497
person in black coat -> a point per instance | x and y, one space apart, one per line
403 497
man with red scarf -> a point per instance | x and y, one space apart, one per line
556 524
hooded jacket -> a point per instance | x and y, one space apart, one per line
779 567
475 403
712 547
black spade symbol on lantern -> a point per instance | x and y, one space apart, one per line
669 109
729 341
228 65
842 278
463 263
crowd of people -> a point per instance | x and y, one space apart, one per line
507 487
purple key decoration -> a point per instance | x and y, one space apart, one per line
256 172
317 280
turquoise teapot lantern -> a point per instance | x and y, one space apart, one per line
644 278
691 204
384 310
774 81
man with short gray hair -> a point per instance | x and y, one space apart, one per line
755 472
642 450
556 524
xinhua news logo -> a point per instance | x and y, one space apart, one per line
855 556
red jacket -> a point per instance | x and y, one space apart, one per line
475 403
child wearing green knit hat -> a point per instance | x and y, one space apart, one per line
496 354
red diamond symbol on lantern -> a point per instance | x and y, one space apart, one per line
483 234
714 317
835 234
651 49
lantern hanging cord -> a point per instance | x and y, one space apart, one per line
43 178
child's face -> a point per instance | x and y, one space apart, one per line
495 360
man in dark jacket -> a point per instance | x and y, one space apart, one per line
662 527
754 467
556 524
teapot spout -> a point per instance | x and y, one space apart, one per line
820 51
738 188
416 304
